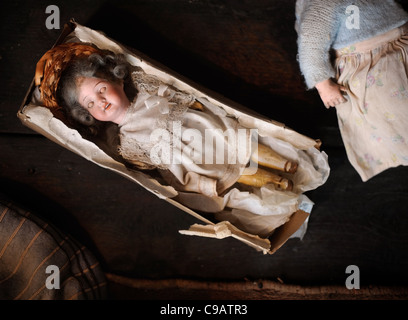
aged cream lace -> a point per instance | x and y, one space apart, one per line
173 103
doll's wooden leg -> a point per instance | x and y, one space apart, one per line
266 157
263 177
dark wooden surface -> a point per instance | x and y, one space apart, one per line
246 51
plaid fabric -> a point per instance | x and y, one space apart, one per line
38 261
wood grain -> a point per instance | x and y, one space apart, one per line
246 51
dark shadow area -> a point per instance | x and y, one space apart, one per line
29 199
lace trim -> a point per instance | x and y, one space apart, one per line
135 153
179 101
170 122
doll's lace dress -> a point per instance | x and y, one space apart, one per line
177 103
182 138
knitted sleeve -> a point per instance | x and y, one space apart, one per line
317 28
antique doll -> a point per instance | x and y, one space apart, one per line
182 140
355 54
163 128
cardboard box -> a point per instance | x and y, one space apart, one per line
42 120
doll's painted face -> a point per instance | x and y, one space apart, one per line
105 101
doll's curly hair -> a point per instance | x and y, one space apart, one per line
105 65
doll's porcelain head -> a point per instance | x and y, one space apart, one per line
103 99
92 88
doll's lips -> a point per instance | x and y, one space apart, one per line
108 106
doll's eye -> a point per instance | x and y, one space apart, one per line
90 104
102 90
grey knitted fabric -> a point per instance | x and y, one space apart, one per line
334 24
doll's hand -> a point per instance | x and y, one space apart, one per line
331 93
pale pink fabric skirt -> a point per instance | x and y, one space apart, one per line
374 121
